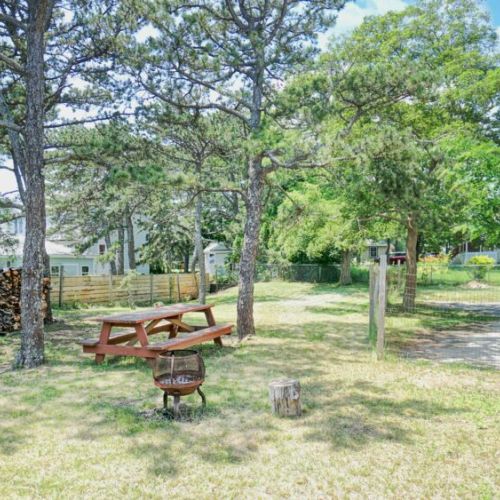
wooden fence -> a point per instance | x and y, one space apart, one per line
119 289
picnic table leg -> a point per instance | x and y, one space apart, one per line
142 336
103 339
211 322
175 328
149 327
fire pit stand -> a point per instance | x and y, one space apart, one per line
179 373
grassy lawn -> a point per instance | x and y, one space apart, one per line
369 429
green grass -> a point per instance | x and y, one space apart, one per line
396 428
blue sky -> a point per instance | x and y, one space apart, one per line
353 12
494 8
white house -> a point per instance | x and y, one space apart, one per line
99 249
375 249
62 253
216 254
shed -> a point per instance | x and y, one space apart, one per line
216 255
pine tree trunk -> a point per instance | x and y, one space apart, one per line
411 265
253 202
31 353
202 286
120 252
130 241
345 268
112 263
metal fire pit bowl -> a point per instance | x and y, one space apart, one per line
179 373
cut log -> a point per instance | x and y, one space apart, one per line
285 397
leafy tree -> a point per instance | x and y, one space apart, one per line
198 146
99 183
41 50
232 57
403 92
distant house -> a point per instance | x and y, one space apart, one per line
216 255
62 253
470 249
374 249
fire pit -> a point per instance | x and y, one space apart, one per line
179 373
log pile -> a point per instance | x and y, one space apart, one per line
10 299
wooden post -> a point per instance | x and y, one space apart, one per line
170 287
110 287
61 277
382 284
151 289
178 289
284 395
372 325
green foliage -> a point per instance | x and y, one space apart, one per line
481 264
409 117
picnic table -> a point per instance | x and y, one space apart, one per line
142 324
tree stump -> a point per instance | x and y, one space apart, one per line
284 395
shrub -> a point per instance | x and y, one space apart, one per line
436 259
480 265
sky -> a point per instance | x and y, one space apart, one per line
351 16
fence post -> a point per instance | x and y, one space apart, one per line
110 286
382 285
178 289
372 326
170 287
151 288
61 278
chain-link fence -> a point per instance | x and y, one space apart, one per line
452 286
309 273
452 313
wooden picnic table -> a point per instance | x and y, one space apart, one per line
143 324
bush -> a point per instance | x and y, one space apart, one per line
480 265
436 259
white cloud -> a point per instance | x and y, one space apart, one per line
353 13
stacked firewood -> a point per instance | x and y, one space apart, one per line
10 299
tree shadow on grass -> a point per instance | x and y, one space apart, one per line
364 415
11 440
332 334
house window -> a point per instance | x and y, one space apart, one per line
54 270
373 252
85 270
102 249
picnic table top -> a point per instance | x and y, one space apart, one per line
135 318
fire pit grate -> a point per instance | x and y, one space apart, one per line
179 373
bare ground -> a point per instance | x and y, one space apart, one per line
476 344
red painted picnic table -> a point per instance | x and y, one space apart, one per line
143 324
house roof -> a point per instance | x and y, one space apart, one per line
217 246
53 249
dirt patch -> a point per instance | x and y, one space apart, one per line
476 344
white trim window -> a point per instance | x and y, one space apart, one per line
373 251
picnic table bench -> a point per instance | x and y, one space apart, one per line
143 324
